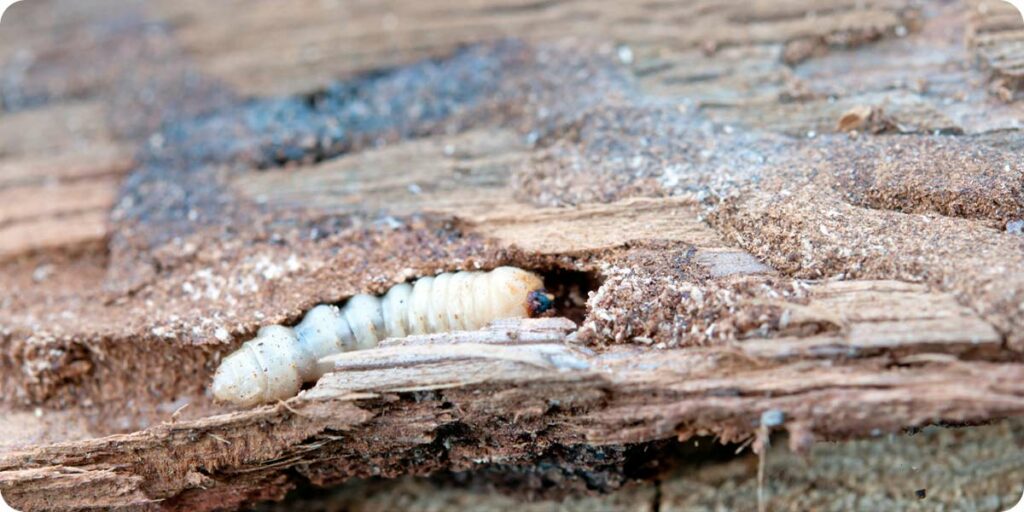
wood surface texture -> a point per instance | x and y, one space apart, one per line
794 216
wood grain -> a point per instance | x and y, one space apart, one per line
842 313
344 424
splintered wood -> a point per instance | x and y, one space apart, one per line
799 216
510 375
475 356
996 33
876 317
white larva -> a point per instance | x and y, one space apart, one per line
273 365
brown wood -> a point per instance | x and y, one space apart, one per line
801 211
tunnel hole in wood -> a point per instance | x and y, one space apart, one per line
570 289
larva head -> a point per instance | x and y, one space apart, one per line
539 302
264 369
522 293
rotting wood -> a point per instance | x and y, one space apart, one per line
904 472
68 233
875 317
536 342
274 57
358 418
464 173
733 330
97 160
996 33
60 171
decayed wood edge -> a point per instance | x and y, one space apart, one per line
994 32
362 421
898 319
532 342
954 468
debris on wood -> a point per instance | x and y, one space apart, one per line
728 261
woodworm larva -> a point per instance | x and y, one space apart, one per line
273 365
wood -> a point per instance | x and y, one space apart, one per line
994 35
621 396
798 217
461 173
869 474
59 178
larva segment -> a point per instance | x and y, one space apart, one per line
363 314
273 365
437 317
458 302
419 303
394 306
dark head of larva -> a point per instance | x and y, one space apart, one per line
539 302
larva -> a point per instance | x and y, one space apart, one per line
274 364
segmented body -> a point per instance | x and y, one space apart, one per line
274 365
